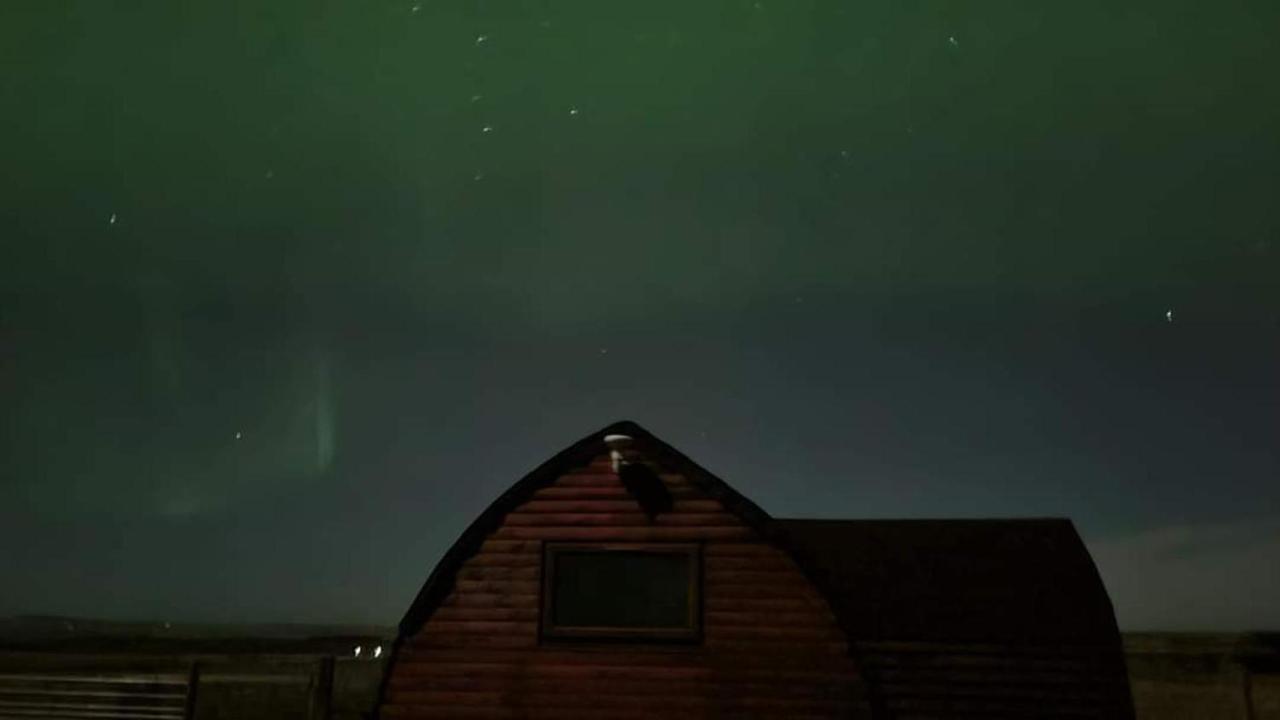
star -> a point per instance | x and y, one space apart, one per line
112 221
238 435
487 129
573 111
481 38
1168 315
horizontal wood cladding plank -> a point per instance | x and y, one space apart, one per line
809 618
606 493
609 479
412 673
597 697
437 625
584 479
906 648
623 534
733 576
504 560
722 697
772 562
636 519
718 565
692 661
456 613
510 633
487 572
713 549
629 505
511 547
496 587
616 688
1020 677
1082 692
815 648
576 653
993 707
754 548
421 712
749 602
759 591
472 640
718 555
490 600
527 697
774 632
588 680
781 682
985 661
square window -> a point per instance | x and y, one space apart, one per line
642 592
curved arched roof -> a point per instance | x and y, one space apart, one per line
440 582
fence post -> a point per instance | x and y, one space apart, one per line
322 690
193 684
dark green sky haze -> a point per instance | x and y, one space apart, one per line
290 291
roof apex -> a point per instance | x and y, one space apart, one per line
440 582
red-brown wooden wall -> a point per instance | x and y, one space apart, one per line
771 646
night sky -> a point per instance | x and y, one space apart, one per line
290 291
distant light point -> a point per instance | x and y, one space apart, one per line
953 41
481 39
604 351
573 111
377 651
358 650
486 129
478 177
415 8
238 435
112 221
1168 316
476 98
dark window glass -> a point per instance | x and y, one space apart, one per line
593 591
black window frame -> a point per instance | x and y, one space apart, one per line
690 632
